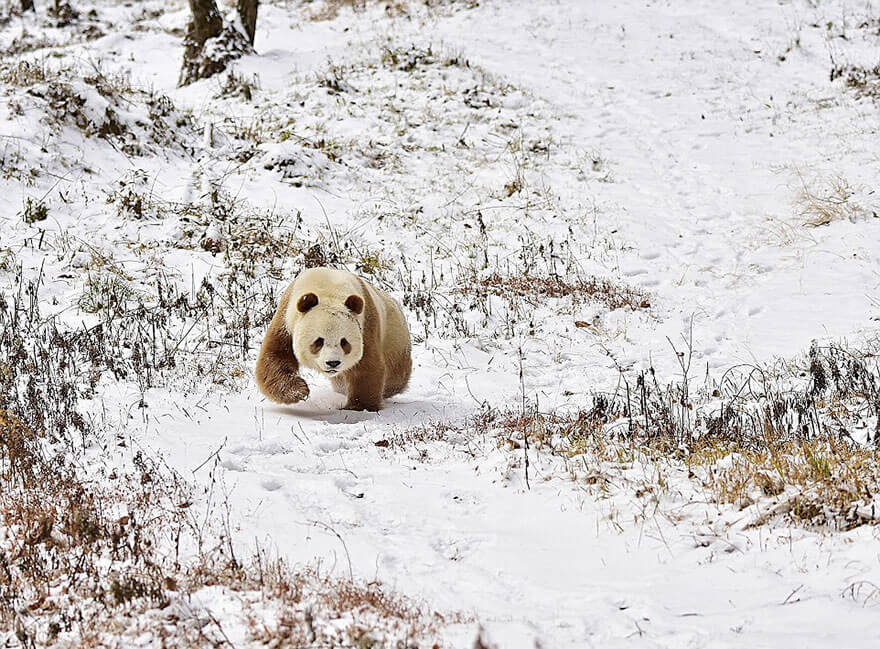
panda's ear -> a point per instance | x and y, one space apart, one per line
306 302
355 304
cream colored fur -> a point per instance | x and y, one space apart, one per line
364 340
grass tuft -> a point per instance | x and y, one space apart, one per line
534 289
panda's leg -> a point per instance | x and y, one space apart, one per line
277 370
338 385
398 373
365 384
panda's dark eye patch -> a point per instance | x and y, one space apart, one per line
316 346
346 346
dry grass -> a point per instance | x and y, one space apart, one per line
536 289
373 263
834 199
134 121
67 559
236 84
788 454
27 73
417 441
82 564
820 482
90 557
862 81
313 609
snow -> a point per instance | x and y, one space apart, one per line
663 145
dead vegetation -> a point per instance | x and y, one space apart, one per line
412 57
236 84
25 73
91 553
101 104
861 81
74 562
536 289
57 24
34 211
824 201
822 482
352 603
788 454
84 565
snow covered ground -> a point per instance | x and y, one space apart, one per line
675 149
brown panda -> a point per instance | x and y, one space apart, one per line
335 323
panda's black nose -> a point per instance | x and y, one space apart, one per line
333 363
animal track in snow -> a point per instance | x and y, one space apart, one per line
271 484
454 549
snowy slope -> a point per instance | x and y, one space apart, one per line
664 146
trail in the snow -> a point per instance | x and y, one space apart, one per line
698 134
709 136
701 127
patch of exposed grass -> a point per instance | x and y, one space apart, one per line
134 199
823 482
535 289
100 104
409 58
24 73
236 84
89 555
862 81
372 263
34 211
835 199
786 454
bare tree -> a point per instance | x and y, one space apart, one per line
210 42
247 11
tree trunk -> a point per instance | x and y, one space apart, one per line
247 11
207 27
206 22
27 5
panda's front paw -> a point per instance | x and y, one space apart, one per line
292 389
360 406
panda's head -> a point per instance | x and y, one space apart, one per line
327 337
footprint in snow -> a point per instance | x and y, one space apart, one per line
271 484
454 549
232 464
350 486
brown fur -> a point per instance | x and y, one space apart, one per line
277 367
374 378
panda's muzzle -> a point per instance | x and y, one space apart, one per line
332 365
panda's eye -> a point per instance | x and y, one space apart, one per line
346 346
319 342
